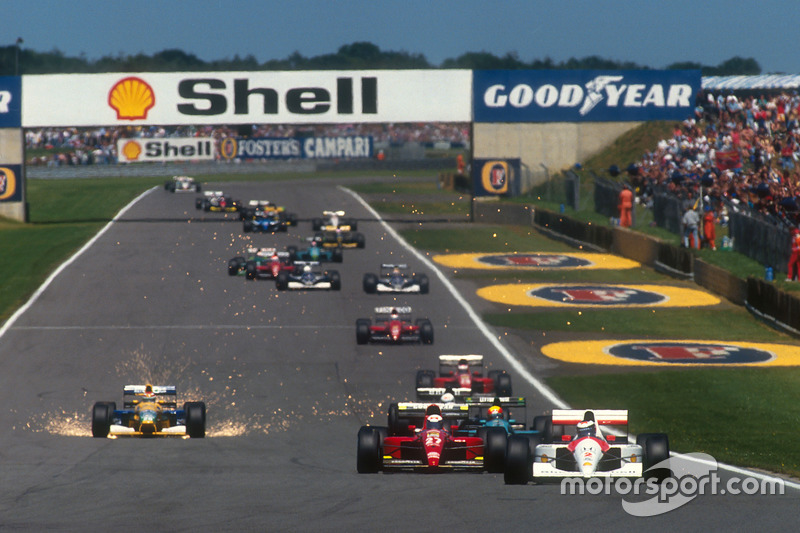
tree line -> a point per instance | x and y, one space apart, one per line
355 56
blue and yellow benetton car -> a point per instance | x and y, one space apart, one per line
149 411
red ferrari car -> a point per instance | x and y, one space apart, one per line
432 449
261 263
463 376
394 325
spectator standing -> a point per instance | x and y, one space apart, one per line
709 229
793 269
691 221
625 206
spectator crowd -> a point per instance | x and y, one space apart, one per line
737 151
98 146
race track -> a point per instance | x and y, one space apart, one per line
286 387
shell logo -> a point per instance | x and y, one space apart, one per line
131 98
131 150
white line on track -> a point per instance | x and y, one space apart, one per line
13 318
543 389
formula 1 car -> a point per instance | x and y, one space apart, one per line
463 376
432 449
394 325
182 184
260 208
149 411
315 252
577 443
218 202
338 238
261 263
264 222
304 277
332 220
392 279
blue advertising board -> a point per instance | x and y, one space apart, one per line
495 177
10 101
345 147
584 95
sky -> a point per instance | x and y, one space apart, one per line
652 33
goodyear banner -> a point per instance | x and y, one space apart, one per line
10 102
10 183
584 95
345 147
495 177
144 150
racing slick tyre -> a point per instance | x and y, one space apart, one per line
247 226
502 384
495 440
169 186
234 265
370 283
101 419
353 223
291 219
519 461
198 203
655 448
250 269
198 188
360 240
394 420
425 378
368 460
362 330
292 250
336 280
424 284
282 281
195 419
316 224
336 255
539 423
426 332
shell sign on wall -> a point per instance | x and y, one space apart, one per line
262 97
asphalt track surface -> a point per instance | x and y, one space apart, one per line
286 388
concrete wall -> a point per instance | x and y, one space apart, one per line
555 145
12 153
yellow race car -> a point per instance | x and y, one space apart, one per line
149 411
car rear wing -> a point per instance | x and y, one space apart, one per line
158 390
448 363
435 393
260 203
387 310
213 193
416 410
391 265
502 401
304 263
601 417
331 213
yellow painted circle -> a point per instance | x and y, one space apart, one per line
519 294
596 261
597 353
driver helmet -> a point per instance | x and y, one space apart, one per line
434 421
306 268
394 313
448 397
463 367
586 429
148 392
495 411
396 270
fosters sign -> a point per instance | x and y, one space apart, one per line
247 98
